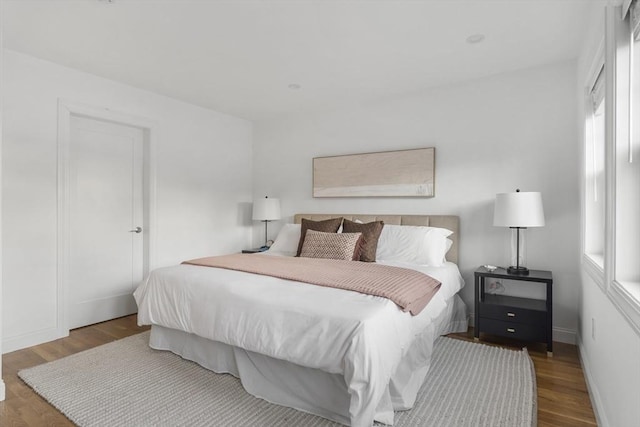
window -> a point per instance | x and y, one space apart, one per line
594 197
618 271
627 157
612 164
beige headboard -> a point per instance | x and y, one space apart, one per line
450 222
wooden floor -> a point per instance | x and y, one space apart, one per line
562 393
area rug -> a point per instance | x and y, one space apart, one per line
126 383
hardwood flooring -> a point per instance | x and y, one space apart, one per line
562 395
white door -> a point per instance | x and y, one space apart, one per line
106 207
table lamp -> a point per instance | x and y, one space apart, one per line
266 210
517 211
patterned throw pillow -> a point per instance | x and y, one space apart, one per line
345 246
327 226
370 235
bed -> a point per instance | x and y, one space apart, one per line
342 355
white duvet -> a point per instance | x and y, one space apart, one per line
359 336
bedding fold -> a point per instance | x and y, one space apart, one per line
409 289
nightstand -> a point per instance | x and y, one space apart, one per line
525 319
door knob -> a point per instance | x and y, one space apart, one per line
136 230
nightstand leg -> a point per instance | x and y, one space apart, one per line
478 285
549 319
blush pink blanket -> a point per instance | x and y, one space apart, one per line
411 290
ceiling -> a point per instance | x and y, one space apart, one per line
240 57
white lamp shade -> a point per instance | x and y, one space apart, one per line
518 210
266 209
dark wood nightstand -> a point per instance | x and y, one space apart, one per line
524 319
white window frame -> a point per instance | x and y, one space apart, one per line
617 130
592 266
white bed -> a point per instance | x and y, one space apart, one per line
346 356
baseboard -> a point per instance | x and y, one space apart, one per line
567 336
594 395
107 309
30 339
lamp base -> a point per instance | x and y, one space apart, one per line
519 271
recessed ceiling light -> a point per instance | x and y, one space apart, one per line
294 86
475 38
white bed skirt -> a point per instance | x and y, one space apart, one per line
308 389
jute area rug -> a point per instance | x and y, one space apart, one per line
126 383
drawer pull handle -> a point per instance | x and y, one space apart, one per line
512 330
510 314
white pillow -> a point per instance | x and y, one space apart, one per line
436 246
414 244
287 240
449 244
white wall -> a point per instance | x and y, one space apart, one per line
2 386
203 174
509 131
610 358
610 351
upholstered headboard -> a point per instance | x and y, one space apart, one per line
450 222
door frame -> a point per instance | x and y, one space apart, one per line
66 110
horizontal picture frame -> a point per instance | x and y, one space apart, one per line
401 173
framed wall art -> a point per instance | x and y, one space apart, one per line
404 173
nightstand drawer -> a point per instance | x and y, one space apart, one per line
512 314
521 331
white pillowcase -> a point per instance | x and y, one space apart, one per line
449 244
417 245
287 240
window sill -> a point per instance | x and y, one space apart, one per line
594 266
626 297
